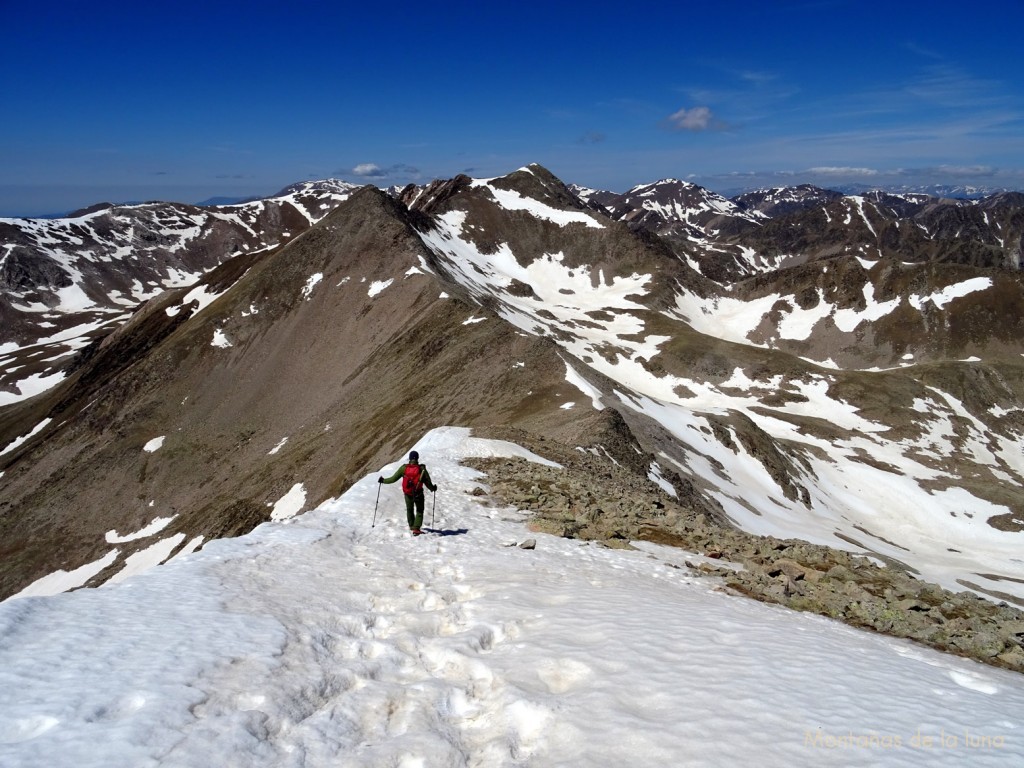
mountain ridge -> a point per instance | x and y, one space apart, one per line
802 399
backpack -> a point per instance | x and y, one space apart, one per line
412 480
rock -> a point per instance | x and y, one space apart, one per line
812 575
840 573
793 571
529 544
1013 658
910 604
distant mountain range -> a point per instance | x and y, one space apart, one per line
952 191
845 369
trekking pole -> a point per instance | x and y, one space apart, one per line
433 510
375 506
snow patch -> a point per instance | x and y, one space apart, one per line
942 297
25 438
220 339
513 201
31 386
148 558
155 444
583 386
201 296
113 537
290 504
656 476
311 283
63 581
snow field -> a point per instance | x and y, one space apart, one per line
325 641
943 534
889 513
735 319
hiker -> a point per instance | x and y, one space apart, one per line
414 476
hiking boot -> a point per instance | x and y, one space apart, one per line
416 531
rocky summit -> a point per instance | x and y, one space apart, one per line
837 375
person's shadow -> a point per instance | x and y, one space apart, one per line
447 532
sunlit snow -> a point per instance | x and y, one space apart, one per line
153 528
220 339
311 283
25 438
155 444
513 201
942 297
147 558
736 319
56 583
583 386
290 504
31 386
333 641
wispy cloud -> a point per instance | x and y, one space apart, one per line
929 53
947 86
748 96
842 171
840 176
694 119
757 77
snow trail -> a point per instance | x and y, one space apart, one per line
322 641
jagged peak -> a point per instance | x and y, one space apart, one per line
650 187
534 182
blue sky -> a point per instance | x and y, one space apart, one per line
186 101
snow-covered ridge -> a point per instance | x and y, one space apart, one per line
81 273
330 640
679 201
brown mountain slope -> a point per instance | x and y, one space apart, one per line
342 352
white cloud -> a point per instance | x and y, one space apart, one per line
374 171
696 119
368 169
